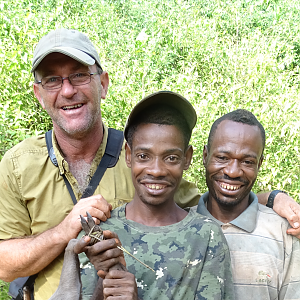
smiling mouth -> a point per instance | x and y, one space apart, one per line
230 187
72 106
155 186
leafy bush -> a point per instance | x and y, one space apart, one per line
4 290
221 55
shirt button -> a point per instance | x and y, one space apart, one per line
225 226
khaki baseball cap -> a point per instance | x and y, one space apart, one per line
69 42
164 98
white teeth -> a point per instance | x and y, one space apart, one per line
72 106
229 187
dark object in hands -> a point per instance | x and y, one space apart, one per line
91 229
94 231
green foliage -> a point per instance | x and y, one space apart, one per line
4 290
221 55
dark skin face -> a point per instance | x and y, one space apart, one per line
157 159
232 165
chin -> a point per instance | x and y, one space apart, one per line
152 200
228 201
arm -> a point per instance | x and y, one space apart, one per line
26 256
286 207
215 280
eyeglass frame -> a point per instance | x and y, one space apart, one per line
99 72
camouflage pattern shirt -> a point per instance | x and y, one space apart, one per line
190 258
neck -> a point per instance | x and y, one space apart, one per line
154 215
81 146
226 213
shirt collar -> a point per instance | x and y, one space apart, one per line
62 163
246 220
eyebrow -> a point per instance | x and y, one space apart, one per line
244 155
172 150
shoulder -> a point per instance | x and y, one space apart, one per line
202 220
25 153
207 229
34 144
268 215
116 216
271 225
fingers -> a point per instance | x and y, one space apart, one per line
294 232
295 219
82 244
101 274
120 284
96 205
110 235
287 208
105 254
104 245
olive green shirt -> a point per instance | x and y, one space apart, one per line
34 197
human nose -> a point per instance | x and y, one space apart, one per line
156 168
233 169
67 89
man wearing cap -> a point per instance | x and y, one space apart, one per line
37 215
186 253
34 199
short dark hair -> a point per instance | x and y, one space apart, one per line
240 116
162 115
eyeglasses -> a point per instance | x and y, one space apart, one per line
56 82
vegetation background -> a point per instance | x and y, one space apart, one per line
221 55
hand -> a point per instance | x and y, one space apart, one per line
286 207
96 205
103 255
119 285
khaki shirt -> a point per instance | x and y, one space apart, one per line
34 197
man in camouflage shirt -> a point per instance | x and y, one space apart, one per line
187 252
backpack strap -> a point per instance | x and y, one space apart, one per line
110 158
16 287
48 137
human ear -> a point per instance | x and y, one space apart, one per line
260 161
128 155
36 90
104 83
205 155
188 157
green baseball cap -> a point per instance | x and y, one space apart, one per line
70 42
164 98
